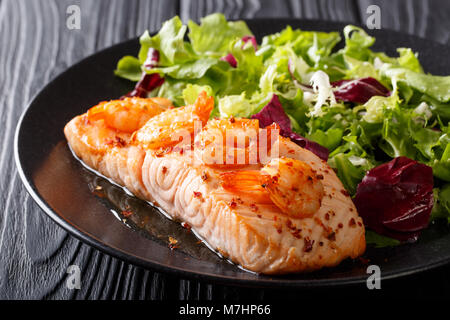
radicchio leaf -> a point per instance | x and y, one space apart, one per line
359 90
252 39
230 59
148 82
395 199
274 112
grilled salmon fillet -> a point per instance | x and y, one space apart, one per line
289 213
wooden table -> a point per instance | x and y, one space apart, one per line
36 45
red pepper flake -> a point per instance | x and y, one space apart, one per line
187 226
259 216
345 192
321 243
308 245
204 176
332 236
319 177
297 234
164 170
127 213
359 224
290 164
340 225
116 142
279 229
120 142
351 209
291 151
364 260
233 204
327 216
290 225
275 218
197 194
232 120
161 152
254 207
352 222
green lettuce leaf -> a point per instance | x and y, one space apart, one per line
189 70
169 41
441 208
349 174
436 87
191 92
129 68
214 34
380 241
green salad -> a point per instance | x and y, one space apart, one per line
365 107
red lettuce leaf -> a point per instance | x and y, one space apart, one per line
148 82
252 39
230 59
274 112
359 90
395 199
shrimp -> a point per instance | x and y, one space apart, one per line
233 141
129 114
290 184
165 129
227 142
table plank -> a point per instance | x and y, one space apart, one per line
36 46
426 19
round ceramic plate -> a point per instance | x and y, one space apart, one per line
89 207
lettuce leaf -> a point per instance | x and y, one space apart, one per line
436 87
441 208
169 41
214 34
129 68
380 241
191 92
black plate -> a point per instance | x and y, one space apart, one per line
66 191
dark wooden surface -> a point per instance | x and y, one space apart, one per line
36 45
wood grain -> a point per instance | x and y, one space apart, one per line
36 46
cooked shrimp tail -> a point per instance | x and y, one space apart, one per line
129 114
290 184
174 125
203 106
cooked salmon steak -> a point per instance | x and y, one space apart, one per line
279 211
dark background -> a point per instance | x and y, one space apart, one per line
36 45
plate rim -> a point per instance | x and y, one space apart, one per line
127 257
